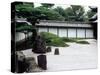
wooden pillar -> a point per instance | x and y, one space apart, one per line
48 29
67 32
85 33
57 31
76 32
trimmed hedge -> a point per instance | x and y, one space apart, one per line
82 42
68 39
52 39
78 40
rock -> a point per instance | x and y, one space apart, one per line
39 45
32 66
56 51
42 61
48 49
21 65
20 56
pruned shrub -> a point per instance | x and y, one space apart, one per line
68 39
82 42
53 40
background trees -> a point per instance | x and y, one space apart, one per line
61 11
75 13
48 12
90 14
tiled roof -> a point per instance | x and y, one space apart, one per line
63 24
54 23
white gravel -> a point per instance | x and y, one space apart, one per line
76 56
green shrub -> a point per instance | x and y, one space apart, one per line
68 39
82 42
78 40
52 39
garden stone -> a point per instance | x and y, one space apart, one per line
56 51
48 49
42 62
39 45
32 66
21 65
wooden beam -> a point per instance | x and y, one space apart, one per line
85 33
67 32
76 32
47 29
57 31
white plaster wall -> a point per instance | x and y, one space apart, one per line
19 36
62 32
72 33
42 29
80 33
53 30
89 33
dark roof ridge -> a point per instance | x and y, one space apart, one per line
63 21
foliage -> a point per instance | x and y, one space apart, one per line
68 39
78 40
60 10
37 13
20 27
52 39
45 11
75 13
50 14
29 12
82 42
90 14
23 10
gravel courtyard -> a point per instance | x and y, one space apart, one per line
76 56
